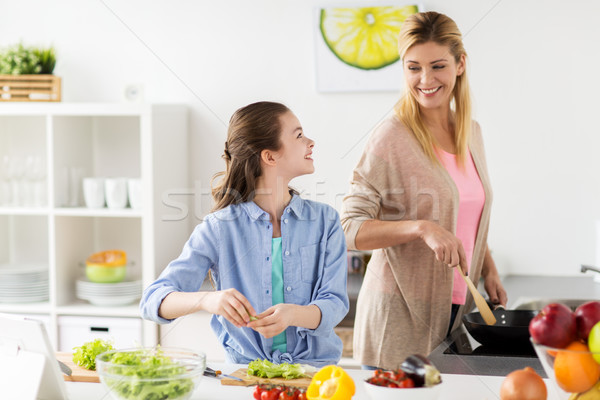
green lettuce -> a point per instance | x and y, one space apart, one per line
267 369
85 355
145 375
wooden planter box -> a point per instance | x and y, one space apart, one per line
30 88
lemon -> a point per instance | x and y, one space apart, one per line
365 37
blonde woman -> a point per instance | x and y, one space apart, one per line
420 198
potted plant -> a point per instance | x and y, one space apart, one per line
26 74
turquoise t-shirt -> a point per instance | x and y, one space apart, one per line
279 341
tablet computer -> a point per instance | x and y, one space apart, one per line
28 367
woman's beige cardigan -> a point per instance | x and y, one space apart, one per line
405 300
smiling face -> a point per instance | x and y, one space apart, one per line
294 158
430 72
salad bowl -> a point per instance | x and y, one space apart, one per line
150 373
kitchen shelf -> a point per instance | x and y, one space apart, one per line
23 211
26 308
141 141
85 308
102 212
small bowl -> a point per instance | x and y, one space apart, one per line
105 274
570 358
175 376
385 393
108 266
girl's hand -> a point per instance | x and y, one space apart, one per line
229 303
447 247
273 320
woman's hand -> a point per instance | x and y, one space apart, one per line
229 303
495 290
446 246
273 320
491 280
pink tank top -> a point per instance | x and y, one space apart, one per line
472 198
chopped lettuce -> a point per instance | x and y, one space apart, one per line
85 355
267 369
146 375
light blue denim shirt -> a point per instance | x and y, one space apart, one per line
235 244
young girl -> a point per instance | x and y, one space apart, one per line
279 262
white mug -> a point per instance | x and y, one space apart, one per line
134 192
93 192
116 192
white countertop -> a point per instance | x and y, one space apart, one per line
455 387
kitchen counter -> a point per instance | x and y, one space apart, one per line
464 377
520 289
455 387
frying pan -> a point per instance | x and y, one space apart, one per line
510 330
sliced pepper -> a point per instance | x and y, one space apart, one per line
331 383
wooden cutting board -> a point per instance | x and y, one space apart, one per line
255 380
80 374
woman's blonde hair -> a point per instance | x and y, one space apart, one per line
438 28
252 129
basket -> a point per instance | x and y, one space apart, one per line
30 88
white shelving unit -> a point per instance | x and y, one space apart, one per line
146 141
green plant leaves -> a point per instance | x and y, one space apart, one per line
21 60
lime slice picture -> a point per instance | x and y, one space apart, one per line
365 37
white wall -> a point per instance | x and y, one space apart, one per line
533 74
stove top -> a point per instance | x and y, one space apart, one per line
465 345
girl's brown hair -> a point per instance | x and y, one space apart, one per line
252 128
438 28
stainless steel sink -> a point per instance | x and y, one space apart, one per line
537 304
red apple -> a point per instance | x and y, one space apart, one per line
586 316
554 326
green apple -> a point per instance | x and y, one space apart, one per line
594 342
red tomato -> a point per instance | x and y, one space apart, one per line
302 396
287 394
407 383
271 394
257 392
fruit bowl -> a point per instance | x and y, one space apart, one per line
573 369
386 393
150 373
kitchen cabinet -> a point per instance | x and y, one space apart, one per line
43 219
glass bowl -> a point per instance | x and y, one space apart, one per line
151 373
572 370
386 393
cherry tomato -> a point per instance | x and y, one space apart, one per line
257 392
288 394
271 394
302 396
407 383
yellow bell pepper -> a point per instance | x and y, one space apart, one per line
331 383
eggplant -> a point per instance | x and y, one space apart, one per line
421 371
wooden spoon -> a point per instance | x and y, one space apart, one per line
482 305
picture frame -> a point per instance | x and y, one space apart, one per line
352 54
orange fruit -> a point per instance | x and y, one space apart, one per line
575 370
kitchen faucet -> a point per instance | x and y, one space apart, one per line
585 268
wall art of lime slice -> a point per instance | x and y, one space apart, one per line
365 37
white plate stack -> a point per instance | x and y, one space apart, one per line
23 283
108 294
